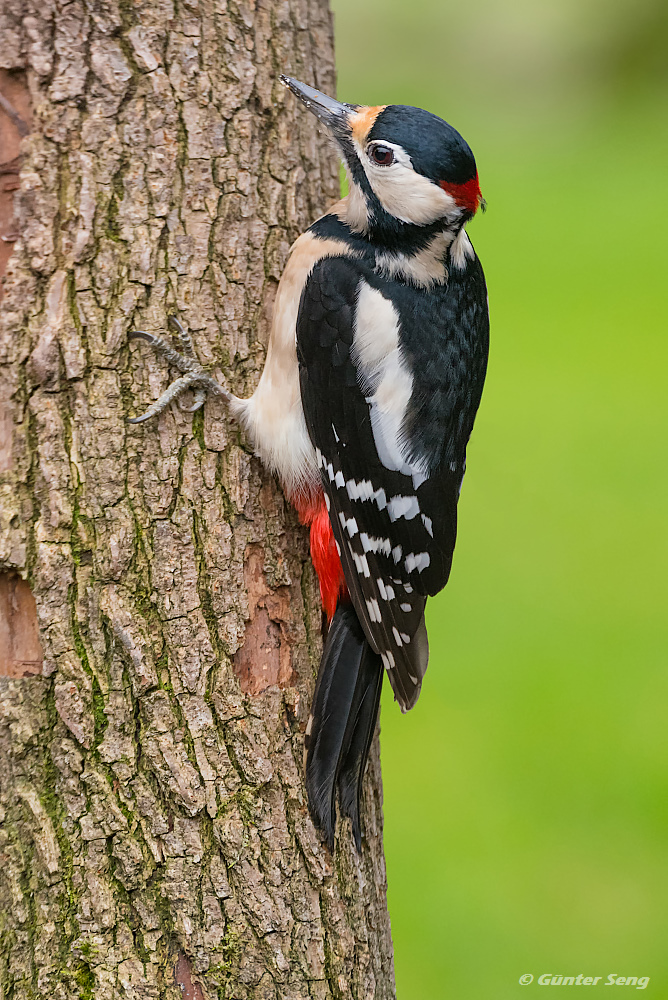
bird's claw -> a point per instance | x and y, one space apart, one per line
199 396
187 346
193 376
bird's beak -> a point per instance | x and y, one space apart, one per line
330 112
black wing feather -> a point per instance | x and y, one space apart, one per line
391 560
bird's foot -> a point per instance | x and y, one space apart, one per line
194 376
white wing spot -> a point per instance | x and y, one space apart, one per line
364 491
406 607
361 565
417 561
358 491
386 590
327 504
380 498
396 553
401 506
406 638
339 480
336 436
372 544
374 610
397 637
349 525
388 660
427 523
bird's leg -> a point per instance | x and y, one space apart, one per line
193 375
188 349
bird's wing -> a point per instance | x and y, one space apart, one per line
393 520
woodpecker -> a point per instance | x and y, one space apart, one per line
373 376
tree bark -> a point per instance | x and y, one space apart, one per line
155 838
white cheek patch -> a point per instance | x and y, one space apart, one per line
409 196
405 194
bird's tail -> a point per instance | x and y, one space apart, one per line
342 723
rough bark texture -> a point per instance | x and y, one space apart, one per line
155 839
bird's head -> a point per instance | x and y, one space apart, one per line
406 167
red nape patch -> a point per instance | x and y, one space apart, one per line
326 560
467 195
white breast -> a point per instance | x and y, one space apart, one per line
273 417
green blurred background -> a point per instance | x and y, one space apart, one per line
525 795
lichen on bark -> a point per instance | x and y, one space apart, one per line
155 838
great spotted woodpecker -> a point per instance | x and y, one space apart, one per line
372 380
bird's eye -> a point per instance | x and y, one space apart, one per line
382 155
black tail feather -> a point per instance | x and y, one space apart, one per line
343 718
362 724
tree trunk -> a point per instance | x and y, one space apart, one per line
155 838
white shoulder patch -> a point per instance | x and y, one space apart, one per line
376 329
386 380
